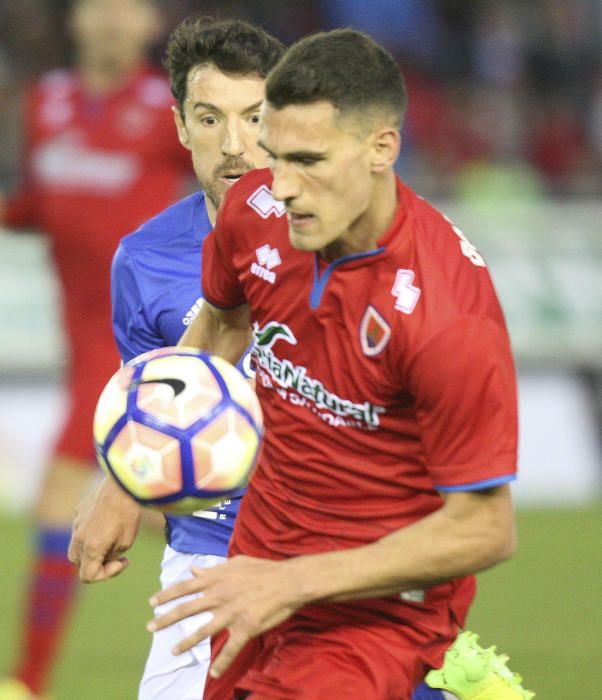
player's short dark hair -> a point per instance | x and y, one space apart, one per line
233 46
344 67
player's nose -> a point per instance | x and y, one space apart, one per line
285 185
232 144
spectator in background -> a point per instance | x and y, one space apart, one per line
101 157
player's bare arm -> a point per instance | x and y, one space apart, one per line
471 532
105 526
223 332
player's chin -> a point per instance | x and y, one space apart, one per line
218 188
304 240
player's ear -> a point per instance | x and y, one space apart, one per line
183 134
385 146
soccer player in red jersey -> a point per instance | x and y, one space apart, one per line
388 387
101 157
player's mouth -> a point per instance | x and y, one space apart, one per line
230 178
298 220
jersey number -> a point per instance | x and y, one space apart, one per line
468 249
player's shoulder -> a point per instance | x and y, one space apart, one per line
177 221
153 89
56 84
50 98
444 241
451 269
433 224
58 79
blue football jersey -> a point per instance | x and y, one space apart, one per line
156 292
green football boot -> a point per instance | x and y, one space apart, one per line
472 673
14 689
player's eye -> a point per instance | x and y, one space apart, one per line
208 120
254 119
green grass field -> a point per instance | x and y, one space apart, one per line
544 608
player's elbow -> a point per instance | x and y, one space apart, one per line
501 544
507 545
495 516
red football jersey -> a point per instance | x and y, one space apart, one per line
94 170
383 377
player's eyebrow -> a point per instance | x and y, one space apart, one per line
207 105
252 108
294 155
214 108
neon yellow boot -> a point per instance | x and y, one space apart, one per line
473 673
14 689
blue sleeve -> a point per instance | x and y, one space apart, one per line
133 332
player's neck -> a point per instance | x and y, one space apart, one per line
363 234
101 78
211 210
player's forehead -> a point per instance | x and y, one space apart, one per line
206 84
313 126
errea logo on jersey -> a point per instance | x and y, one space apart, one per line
267 258
264 203
194 309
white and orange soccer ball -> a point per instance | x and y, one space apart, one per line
179 430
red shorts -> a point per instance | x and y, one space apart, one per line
304 660
89 371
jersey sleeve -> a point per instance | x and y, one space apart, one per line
131 328
220 283
464 383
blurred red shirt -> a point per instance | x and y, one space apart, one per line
94 170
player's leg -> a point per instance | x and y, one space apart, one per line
227 685
52 579
473 673
165 675
301 661
68 477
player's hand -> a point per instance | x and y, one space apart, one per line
105 526
246 596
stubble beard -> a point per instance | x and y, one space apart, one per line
214 188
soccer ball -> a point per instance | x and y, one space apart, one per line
178 429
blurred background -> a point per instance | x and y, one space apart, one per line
504 135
